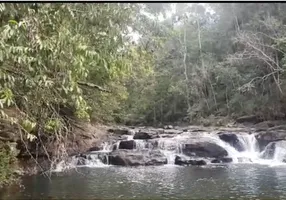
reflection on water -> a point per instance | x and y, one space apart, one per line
237 181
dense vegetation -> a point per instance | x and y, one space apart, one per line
189 62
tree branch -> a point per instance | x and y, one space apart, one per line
93 86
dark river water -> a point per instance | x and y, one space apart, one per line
236 181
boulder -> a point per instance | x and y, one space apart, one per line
204 149
145 135
96 148
226 160
269 152
81 161
222 160
180 160
216 161
119 131
232 139
102 156
127 144
136 158
198 162
266 137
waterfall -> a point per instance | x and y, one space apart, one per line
249 143
170 147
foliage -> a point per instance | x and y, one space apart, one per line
62 61
221 59
7 160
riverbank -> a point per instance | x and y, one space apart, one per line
125 145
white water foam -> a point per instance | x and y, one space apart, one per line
171 147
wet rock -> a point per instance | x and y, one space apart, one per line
266 137
145 135
180 160
81 161
198 162
222 160
226 160
166 136
127 144
96 148
172 132
168 127
119 131
232 139
136 158
142 136
204 149
271 148
102 156
216 161
84 156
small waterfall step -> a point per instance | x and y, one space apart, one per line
155 148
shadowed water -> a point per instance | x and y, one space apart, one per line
235 181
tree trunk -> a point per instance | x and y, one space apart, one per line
186 72
202 62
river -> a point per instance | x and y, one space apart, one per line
230 181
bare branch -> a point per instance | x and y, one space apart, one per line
93 86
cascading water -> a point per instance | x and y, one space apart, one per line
249 143
170 147
251 149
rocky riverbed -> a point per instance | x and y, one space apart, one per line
192 145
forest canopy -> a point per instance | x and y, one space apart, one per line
151 63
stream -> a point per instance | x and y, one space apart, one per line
177 165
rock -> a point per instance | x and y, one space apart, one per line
18 172
266 137
276 124
204 149
13 148
226 160
232 139
166 136
168 127
119 131
102 156
172 132
216 161
269 152
136 158
127 144
253 119
222 160
278 127
145 135
180 160
96 148
81 161
198 162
